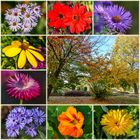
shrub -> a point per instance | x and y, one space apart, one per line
100 89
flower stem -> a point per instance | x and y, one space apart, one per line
21 102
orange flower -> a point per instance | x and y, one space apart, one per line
71 123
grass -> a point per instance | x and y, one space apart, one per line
90 100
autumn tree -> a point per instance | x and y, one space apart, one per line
65 51
125 61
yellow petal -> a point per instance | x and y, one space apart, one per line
33 48
6 48
13 51
37 55
24 41
22 59
31 59
16 43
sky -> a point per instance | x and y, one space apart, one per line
105 42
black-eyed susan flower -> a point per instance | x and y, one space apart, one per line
117 122
25 52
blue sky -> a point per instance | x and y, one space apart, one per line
105 43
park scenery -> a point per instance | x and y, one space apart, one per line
93 69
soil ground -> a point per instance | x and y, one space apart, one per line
125 99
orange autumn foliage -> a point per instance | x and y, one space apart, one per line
71 123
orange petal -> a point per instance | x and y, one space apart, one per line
72 111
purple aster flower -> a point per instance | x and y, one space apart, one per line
37 11
12 132
22 86
22 7
39 116
9 14
16 15
29 16
26 27
14 25
103 3
117 18
31 130
29 116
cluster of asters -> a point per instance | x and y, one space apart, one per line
22 119
113 18
23 18
76 17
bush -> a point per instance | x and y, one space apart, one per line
100 89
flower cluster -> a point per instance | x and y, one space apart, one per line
22 86
117 122
25 51
23 18
114 18
71 123
22 119
77 18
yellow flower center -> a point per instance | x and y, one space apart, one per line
28 15
24 46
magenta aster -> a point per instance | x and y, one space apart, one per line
23 87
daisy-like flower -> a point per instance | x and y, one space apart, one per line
57 15
29 16
9 14
117 18
22 86
30 131
71 123
14 25
25 51
37 11
16 15
117 122
26 27
22 7
79 19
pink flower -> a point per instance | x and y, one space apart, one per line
22 86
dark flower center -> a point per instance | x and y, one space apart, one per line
76 18
14 23
60 16
74 121
15 14
24 46
27 15
23 9
116 19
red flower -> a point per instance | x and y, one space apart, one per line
57 15
79 19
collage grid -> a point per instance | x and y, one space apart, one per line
46 129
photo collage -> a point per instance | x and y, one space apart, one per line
69 69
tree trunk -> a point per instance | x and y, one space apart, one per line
56 75
135 88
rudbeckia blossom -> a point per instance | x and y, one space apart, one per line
22 87
25 51
71 123
79 19
117 122
117 18
57 15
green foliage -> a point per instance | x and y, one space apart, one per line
54 111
